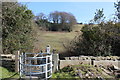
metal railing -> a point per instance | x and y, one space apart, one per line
40 65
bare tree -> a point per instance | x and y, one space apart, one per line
54 17
63 19
40 16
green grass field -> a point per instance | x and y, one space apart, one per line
55 39
4 73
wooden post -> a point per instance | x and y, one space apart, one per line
17 61
48 49
55 59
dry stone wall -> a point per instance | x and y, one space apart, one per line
104 61
93 58
64 63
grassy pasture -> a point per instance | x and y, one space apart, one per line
55 39
4 73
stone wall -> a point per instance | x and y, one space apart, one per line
8 63
104 61
93 58
59 64
64 63
107 62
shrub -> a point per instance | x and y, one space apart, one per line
17 32
97 40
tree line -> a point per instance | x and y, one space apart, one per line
56 21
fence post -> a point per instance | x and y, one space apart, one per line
20 65
51 63
17 61
46 68
48 49
55 60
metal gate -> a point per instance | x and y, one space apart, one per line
40 65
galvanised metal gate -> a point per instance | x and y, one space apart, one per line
36 64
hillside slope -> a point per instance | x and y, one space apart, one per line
55 39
